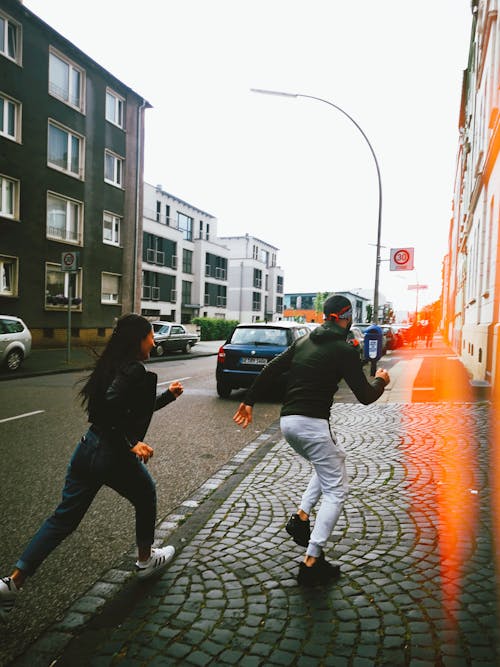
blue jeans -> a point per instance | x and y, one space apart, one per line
95 463
311 438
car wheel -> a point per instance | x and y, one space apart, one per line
187 348
14 359
223 389
160 350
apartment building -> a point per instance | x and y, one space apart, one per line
71 174
184 264
256 282
471 268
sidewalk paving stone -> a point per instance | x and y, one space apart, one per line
417 585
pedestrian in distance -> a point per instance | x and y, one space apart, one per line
315 364
120 398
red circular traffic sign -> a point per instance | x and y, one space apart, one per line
402 257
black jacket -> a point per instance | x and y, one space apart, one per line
315 364
123 413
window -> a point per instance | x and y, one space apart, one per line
255 252
111 229
187 261
167 214
185 225
215 295
279 284
158 211
57 285
279 304
113 169
64 219
257 278
10 118
10 38
66 80
9 198
186 292
256 301
200 236
65 150
110 288
207 235
8 275
114 108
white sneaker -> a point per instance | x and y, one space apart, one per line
8 592
157 561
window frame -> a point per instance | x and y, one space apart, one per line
81 155
15 197
14 292
79 233
119 99
118 159
115 219
109 302
72 66
67 277
17 118
19 39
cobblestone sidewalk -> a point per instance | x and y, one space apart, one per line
414 544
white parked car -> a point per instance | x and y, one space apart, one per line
15 341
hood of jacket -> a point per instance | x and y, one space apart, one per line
327 332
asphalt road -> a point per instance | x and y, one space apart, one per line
192 437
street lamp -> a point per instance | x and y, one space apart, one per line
379 223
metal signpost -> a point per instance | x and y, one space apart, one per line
69 264
417 287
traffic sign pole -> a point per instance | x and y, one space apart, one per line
68 353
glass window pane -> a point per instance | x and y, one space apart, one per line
58 77
109 167
12 39
11 119
58 147
8 203
2 121
119 114
54 286
75 87
6 273
110 107
107 232
2 35
119 172
72 226
56 217
75 155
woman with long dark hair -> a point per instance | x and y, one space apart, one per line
120 398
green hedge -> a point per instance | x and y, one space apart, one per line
213 328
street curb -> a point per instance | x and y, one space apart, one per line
117 590
78 369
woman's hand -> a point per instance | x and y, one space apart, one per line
176 389
243 415
143 451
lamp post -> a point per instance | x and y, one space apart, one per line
379 223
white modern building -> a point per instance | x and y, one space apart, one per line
471 268
256 282
184 264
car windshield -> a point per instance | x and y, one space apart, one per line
259 336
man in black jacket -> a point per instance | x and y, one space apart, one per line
315 365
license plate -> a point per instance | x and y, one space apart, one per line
254 361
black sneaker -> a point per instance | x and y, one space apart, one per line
299 530
319 574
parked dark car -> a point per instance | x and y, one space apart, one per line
249 348
392 336
170 337
356 338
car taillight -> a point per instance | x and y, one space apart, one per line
221 355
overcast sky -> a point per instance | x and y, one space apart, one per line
296 172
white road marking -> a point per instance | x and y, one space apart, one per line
176 380
26 414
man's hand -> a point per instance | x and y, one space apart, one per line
381 373
176 389
243 415
143 451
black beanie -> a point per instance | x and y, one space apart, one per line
335 303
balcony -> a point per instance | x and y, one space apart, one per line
221 301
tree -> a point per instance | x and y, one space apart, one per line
369 312
319 301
